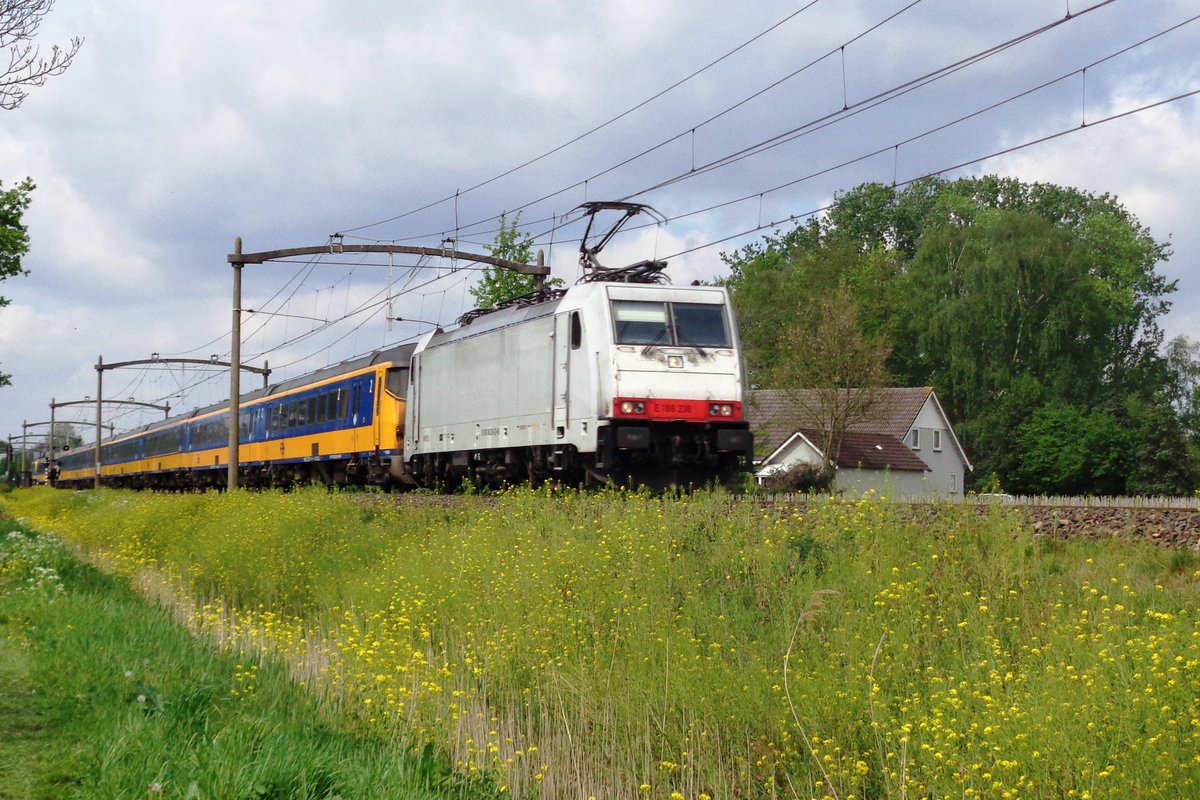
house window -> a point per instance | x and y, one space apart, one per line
953 482
914 439
937 440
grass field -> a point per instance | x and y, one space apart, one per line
104 696
617 645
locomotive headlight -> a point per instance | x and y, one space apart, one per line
632 407
720 410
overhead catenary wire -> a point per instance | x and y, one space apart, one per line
893 147
661 144
878 98
593 130
375 303
889 148
766 144
952 168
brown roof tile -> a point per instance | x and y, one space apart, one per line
892 413
774 415
878 451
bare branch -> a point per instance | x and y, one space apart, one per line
19 24
832 371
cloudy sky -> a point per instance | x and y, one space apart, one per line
182 125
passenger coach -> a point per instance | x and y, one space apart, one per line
341 425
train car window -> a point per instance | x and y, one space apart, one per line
292 416
639 322
343 399
356 400
576 331
396 381
700 325
312 410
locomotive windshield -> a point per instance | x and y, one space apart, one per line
683 324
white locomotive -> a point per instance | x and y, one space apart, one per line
638 383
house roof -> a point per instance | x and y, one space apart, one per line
878 451
774 414
860 451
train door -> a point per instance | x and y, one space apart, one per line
377 388
562 375
412 430
569 371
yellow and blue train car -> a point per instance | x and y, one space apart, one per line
343 425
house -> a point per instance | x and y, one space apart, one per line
903 444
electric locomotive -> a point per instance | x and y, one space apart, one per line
609 381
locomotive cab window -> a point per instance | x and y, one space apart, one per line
639 322
683 324
700 325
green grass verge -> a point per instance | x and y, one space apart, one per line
102 695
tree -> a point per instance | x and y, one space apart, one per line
1183 361
1004 296
1162 461
14 238
1010 295
62 436
831 370
19 24
775 286
1068 450
499 285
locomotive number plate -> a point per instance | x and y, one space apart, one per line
673 407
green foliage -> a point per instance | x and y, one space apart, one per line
779 287
832 368
1162 459
1183 387
1064 449
800 477
1005 297
1034 305
499 285
14 238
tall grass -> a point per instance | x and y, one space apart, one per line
103 696
618 645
